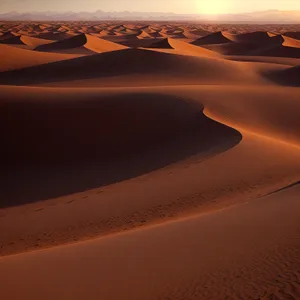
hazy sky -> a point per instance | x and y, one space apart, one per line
176 6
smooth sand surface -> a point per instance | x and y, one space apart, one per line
204 257
14 58
149 161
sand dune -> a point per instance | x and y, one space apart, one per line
163 44
252 37
244 45
279 51
137 62
53 36
213 38
33 42
85 44
175 46
290 42
11 39
14 58
149 160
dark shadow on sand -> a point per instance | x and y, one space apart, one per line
56 148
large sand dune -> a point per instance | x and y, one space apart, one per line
149 161
81 43
138 62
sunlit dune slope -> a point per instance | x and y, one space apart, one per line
34 42
16 58
290 42
183 48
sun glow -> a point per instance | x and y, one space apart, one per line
212 6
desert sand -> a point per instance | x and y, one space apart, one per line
149 161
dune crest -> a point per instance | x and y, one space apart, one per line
82 43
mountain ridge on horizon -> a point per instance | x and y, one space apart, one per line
267 16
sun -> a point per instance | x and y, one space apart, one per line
212 7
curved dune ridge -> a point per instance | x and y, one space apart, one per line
139 62
34 42
252 37
182 48
101 130
168 146
81 44
293 34
213 38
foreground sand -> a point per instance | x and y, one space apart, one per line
165 172
204 257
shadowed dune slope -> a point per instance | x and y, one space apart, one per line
11 40
16 58
95 129
53 36
214 38
293 34
71 43
247 46
110 138
288 77
164 44
131 61
279 51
